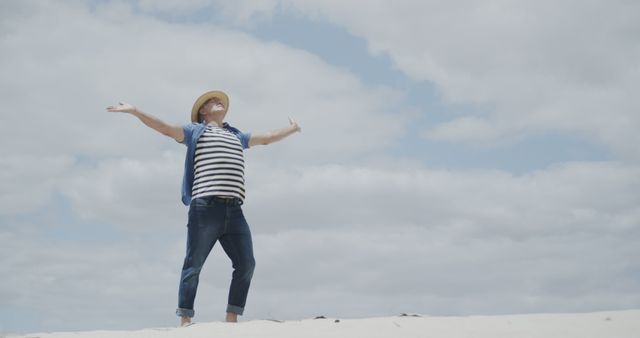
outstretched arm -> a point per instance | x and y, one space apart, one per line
275 135
175 132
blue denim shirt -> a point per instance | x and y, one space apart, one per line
192 133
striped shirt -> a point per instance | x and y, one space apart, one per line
218 164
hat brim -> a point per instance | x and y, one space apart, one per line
206 97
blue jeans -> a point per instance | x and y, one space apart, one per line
211 219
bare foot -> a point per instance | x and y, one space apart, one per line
232 317
185 321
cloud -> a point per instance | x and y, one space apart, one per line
335 231
368 225
129 193
171 6
465 129
343 240
65 63
162 68
111 285
353 241
563 199
28 182
392 270
568 67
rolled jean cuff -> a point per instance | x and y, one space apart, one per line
235 309
185 312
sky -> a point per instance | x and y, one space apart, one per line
456 158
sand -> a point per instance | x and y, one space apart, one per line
610 324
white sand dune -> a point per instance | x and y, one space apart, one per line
610 324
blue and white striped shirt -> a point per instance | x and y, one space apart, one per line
192 133
218 165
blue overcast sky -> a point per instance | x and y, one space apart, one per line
455 158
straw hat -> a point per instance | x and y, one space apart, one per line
206 97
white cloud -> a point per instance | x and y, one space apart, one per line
348 241
162 68
466 129
110 285
354 241
560 200
63 64
333 234
567 66
131 194
172 6
328 213
29 181
563 199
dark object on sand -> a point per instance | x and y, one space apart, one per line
320 317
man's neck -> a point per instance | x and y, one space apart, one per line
214 123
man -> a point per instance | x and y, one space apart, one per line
213 188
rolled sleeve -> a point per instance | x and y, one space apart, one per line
244 139
188 132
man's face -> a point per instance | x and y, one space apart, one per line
213 105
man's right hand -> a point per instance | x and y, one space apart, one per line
175 132
122 107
